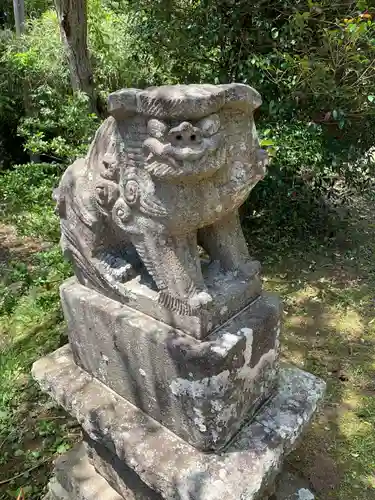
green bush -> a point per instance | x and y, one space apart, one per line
11 105
314 56
314 174
115 55
57 124
26 199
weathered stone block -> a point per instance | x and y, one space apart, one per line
75 470
201 390
119 475
229 291
166 463
76 479
85 483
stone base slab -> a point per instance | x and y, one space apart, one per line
163 461
121 477
75 478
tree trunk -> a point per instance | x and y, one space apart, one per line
72 16
19 16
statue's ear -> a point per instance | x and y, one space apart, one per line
241 96
209 125
106 138
123 103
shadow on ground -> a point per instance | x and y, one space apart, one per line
329 330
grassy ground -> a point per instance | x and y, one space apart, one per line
329 294
329 330
32 429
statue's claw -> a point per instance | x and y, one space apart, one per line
200 299
117 267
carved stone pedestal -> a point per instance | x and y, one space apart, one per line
200 389
131 456
172 367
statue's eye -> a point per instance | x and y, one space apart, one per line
209 125
179 137
156 128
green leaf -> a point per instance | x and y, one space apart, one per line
3 414
371 98
62 448
271 152
267 142
361 4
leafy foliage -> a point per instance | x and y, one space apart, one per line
57 124
114 51
10 106
312 175
26 199
304 54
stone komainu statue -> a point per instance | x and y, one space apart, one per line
165 172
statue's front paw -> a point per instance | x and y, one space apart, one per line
123 273
118 268
200 299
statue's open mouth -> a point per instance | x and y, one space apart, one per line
169 160
183 149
